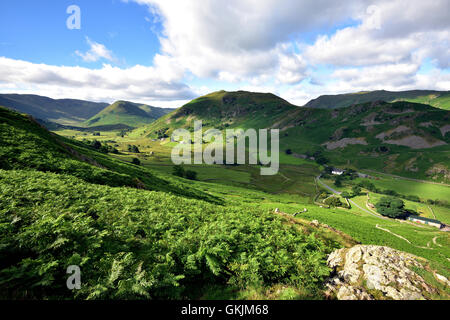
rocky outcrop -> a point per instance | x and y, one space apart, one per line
368 272
344 142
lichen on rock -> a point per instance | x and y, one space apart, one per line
368 272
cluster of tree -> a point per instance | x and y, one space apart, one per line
101 147
181 172
438 202
133 149
391 207
161 133
136 161
356 191
319 157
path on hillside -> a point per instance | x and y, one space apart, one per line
403 238
394 234
434 241
351 201
410 179
432 212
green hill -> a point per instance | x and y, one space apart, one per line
62 111
224 109
25 145
126 113
438 99
390 137
136 234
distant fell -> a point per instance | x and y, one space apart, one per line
126 113
437 99
223 109
62 111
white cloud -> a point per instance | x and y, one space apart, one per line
105 84
96 52
251 43
259 45
390 32
243 40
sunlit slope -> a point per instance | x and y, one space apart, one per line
25 145
126 113
438 99
222 110
392 137
402 138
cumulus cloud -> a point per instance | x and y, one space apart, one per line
243 40
251 41
96 52
105 84
260 45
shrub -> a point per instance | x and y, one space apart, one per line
133 149
345 194
178 171
333 202
191 175
136 161
391 207
356 190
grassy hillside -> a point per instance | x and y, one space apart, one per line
63 204
401 138
438 99
126 113
139 234
221 110
25 145
62 111
389 137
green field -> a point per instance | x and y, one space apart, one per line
408 187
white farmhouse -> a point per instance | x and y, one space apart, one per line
337 172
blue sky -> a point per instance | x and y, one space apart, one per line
36 31
167 52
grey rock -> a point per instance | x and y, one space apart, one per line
382 268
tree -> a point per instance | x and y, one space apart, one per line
356 190
320 159
136 161
338 181
133 148
96 144
178 171
345 194
191 175
391 207
333 202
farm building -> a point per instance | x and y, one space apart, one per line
427 221
337 172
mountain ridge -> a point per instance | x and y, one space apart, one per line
439 99
62 111
126 113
